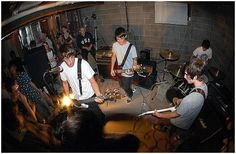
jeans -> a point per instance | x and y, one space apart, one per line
125 83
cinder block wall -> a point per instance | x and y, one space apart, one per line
213 21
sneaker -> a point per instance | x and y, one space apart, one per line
134 90
129 99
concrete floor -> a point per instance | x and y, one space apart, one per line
123 118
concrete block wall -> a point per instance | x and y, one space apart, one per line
208 21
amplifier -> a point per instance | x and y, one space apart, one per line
103 57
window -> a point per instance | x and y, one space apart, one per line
171 13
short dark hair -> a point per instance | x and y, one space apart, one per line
19 67
196 68
120 32
67 51
32 43
206 44
9 82
80 130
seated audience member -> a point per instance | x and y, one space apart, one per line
18 135
190 106
27 108
83 132
30 90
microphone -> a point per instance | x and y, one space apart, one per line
56 70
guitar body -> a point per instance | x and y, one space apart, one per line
117 75
142 71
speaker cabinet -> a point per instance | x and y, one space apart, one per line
37 64
146 82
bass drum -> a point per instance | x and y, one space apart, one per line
180 89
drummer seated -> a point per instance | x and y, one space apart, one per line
204 52
188 108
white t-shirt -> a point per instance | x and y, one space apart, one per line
203 55
120 51
70 74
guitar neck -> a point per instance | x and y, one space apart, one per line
161 110
122 70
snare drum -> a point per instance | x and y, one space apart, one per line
180 89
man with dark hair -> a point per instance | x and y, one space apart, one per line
81 81
190 106
203 52
119 49
82 132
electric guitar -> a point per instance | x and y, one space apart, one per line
172 109
142 71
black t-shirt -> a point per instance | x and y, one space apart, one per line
85 40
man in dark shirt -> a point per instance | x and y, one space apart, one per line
85 42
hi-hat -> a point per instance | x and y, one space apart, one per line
169 55
176 69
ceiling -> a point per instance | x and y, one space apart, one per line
18 14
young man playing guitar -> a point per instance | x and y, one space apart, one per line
190 106
78 75
126 55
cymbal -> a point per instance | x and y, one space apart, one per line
216 73
169 55
176 69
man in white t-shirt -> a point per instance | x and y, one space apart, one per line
203 52
119 50
69 77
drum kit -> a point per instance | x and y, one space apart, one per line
180 88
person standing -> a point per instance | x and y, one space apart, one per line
51 55
119 49
81 81
68 39
85 43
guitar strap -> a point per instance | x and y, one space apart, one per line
126 55
200 91
79 75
